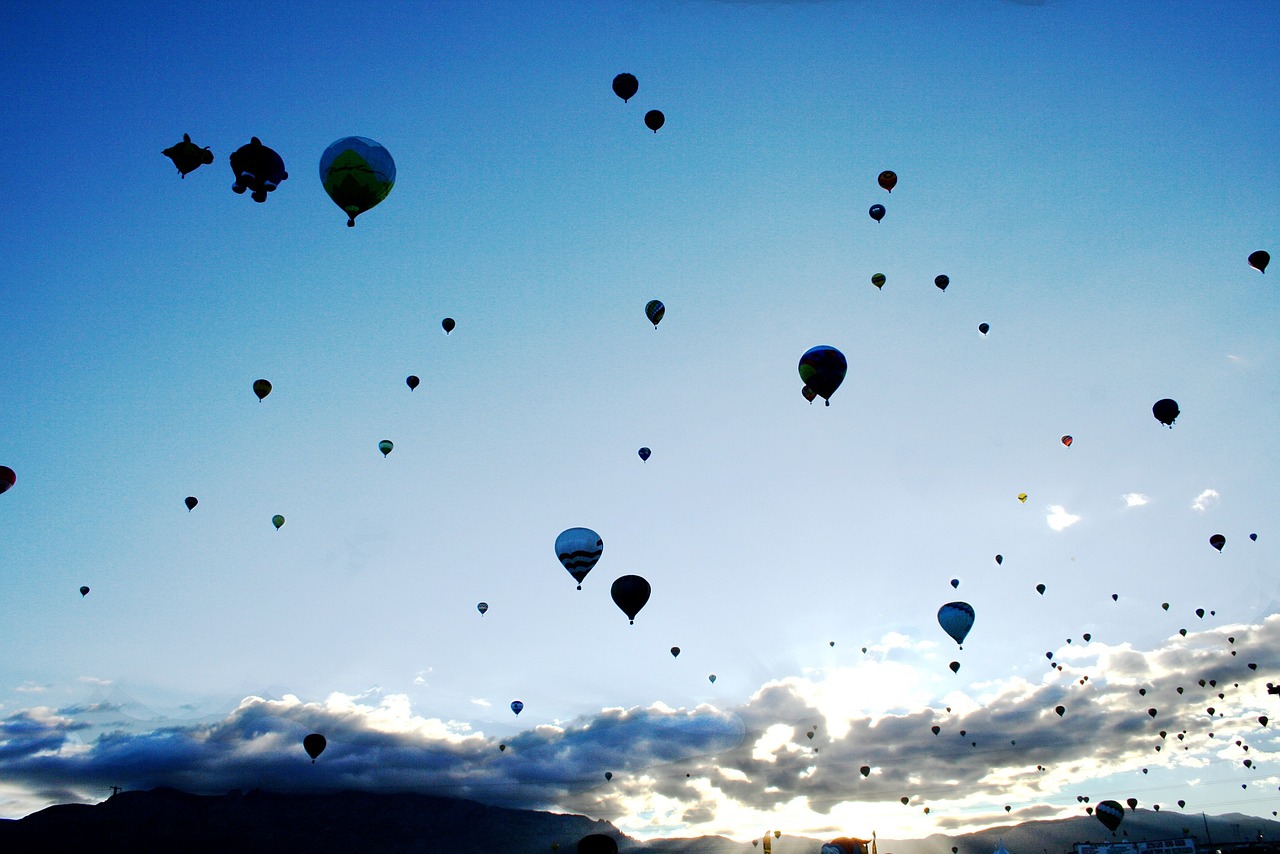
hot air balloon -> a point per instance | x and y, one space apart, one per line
517 706
822 369
956 619
261 388
625 86
712 679
1133 803
654 119
1259 260
865 770
1022 497
1218 541
385 446
630 593
1061 710
411 381
597 843
189 157
191 502
357 173
955 666
7 479
644 453
935 729
955 582
1165 411
277 520
808 393
654 310
257 168
984 328
579 549
675 652
314 744
1110 813
999 559
84 591
1067 440
608 775
876 212
1253 537
941 282
888 180
1040 588
482 607
447 325
878 280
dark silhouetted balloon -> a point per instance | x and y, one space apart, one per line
447 325
597 843
888 180
517 706
865 770
1110 813
1133 803
1040 588
630 593
578 550
822 369
278 521
1165 411
808 393
941 282
1200 613
878 280
1218 541
675 652
1259 260
7 479
644 453
955 666
654 119
314 744
984 328
261 388
385 446
935 729
712 679
608 775
189 157
482 607
191 502
1061 710
625 86
654 310
876 212
357 173
412 382
955 582
257 168
84 591
999 559
956 620
1253 537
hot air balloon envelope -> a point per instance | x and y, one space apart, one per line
876 212
7 478
1110 813
189 157
1259 260
941 282
277 520
447 325
84 591
261 388
888 180
357 173
597 843
644 454
385 446
1165 411
482 607
956 619
625 86
191 502
630 593
412 382
517 706
878 280
314 744
1218 541
822 369
984 328
579 549
654 119
654 310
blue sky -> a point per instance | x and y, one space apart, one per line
1091 180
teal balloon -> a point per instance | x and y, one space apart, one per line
956 619
357 173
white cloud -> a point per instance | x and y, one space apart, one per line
1135 499
1204 499
480 701
1059 519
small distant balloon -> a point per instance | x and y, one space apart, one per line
1259 260
878 280
608 775
864 770
277 520
630 593
941 282
191 502
189 157
412 382
1165 411
876 212
1040 588
1218 541
654 310
1061 710
84 591
808 393
984 328
261 388
654 119
712 679
999 559
675 652
1067 440
955 666
1253 537
888 180
644 454
625 86
1022 497
7 479
482 607
385 446
517 706
955 582
314 744
447 325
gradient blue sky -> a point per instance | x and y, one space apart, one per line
1091 179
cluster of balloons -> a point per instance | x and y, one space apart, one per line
625 86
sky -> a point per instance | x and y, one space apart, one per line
1090 178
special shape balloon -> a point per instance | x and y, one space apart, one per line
822 369
257 168
630 593
578 550
189 157
357 173
1166 411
